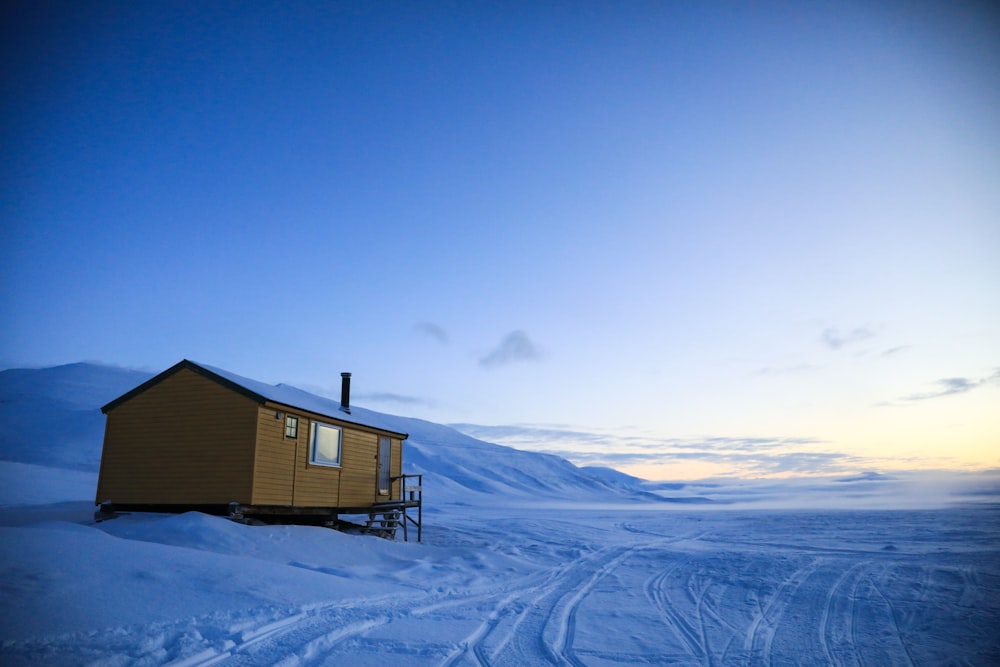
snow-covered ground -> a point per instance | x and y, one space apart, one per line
501 586
526 560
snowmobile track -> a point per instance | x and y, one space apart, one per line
655 590
758 641
828 635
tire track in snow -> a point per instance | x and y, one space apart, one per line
566 618
894 621
322 644
562 648
970 586
758 641
313 620
553 595
311 631
537 619
700 615
828 618
548 605
474 643
656 594
324 625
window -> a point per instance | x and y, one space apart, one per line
324 445
291 427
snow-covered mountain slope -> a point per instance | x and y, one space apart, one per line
468 468
52 416
54 419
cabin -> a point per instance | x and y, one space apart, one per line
201 438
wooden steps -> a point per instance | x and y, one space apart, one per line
382 523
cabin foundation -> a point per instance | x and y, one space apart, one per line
384 518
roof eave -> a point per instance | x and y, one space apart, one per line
181 365
232 386
298 408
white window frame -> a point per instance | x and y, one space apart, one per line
316 457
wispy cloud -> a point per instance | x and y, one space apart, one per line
751 456
532 434
389 397
836 339
784 370
893 351
364 398
432 330
955 385
515 347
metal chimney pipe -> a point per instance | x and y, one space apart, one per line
345 392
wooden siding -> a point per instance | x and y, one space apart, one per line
358 485
353 484
320 485
185 440
190 440
274 460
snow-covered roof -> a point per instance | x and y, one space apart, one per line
283 394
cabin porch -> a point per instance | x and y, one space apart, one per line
383 518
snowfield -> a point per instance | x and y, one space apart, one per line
514 570
508 587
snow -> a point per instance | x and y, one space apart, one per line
304 400
27 484
526 559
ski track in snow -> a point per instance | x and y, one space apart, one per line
594 590
655 589
842 612
546 609
288 642
761 632
904 652
565 611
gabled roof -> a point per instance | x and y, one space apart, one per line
282 394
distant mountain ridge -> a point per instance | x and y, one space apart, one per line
52 418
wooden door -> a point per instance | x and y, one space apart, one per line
384 461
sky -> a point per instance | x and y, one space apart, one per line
679 239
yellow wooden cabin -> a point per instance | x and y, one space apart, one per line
199 437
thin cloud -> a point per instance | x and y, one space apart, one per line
764 462
750 456
528 433
384 397
515 347
432 330
389 397
783 370
835 339
953 386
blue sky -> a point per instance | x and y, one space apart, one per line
684 239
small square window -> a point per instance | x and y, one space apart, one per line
291 427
